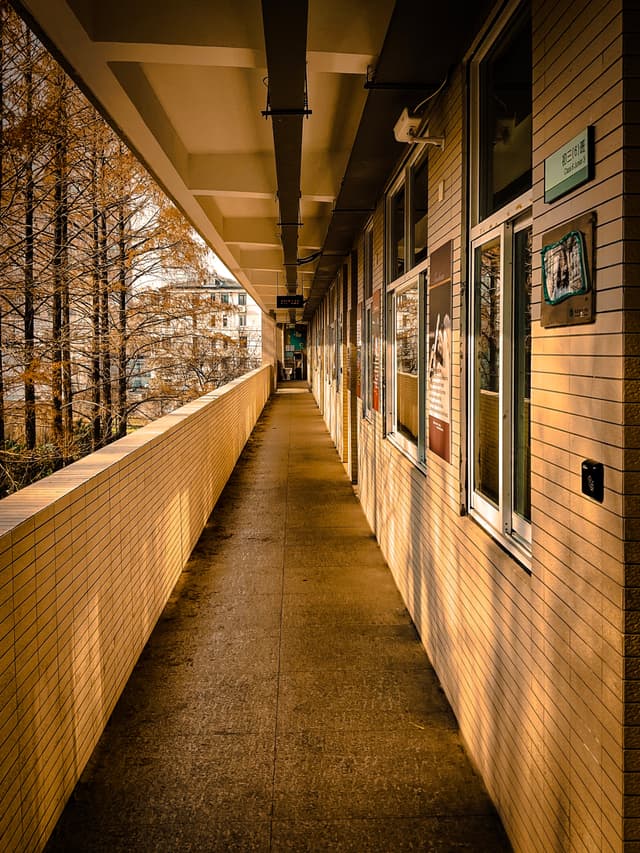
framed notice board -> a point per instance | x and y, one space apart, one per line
568 273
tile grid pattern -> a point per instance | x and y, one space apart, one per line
284 701
88 559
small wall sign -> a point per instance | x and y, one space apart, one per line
568 274
294 300
564 272
569 166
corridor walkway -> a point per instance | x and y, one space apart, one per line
284 701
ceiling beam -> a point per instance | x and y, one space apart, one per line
285 34
250 174
203 56
260 230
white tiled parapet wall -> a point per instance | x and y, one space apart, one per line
88 559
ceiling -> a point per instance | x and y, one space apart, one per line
269 123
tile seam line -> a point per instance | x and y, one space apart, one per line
281 628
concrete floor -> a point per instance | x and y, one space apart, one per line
284 701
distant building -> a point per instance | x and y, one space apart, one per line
204 336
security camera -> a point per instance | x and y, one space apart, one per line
406 130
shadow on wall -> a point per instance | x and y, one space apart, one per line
468 615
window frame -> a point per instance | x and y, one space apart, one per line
509 15
366 330
499 520
405 183
416 451
414 272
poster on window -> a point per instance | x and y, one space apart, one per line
439 351
377 349
359 351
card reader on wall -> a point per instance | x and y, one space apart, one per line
593 479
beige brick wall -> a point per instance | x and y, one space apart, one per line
631 423
534 664
88 559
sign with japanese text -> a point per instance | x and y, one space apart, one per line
291 300
569 166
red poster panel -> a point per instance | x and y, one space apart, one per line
359 354
377 349
439 366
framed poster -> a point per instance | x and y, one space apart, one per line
563 268
359 325
568 273
439 351
376 350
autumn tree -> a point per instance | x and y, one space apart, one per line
84 234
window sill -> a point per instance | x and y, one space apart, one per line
407 451
518 551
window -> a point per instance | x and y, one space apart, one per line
367 266
406 390
521 441
407 213
501 380
242 299
242 320
505 110
419 211
406 313
500 296
367 324
338 355
397 256
407 242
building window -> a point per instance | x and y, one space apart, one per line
367 266
242 320
521 441
406 390
501 381
398 243
367 327
242 299
407 244
419 211
500 294
406 361
407 217
505 108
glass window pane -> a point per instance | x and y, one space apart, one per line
406 322
397 235
419 213
522 374
505 162
487 322
368 361
368 264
